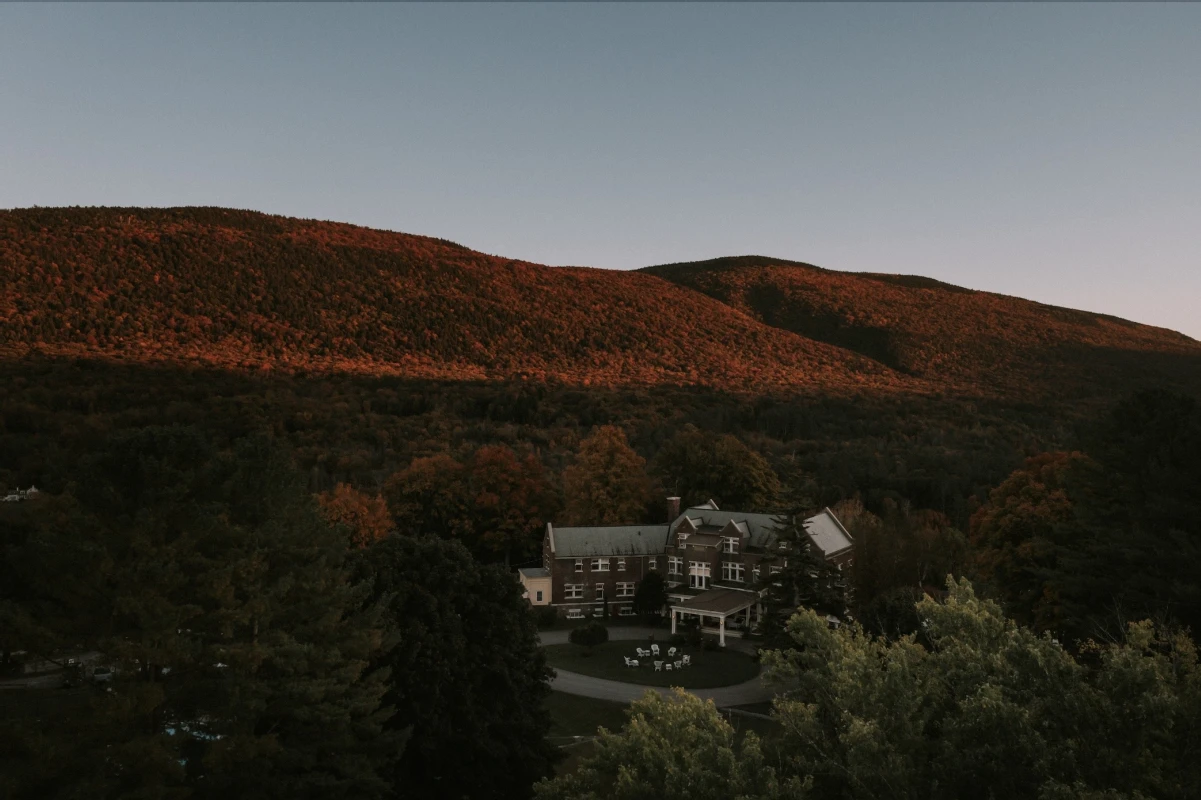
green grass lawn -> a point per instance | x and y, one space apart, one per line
572 715
709 669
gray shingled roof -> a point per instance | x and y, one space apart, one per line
761 527
827 533
534 572
610 540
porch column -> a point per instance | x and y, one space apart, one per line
746 625
673 620
721 631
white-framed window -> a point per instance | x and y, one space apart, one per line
675 565
539 595
600 565
785 545
579 565
774 571
573 591
755 573
652 563
683 538
698 574
729 544
625 589
733 571
600 591
621 565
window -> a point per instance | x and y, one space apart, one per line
652 563
729 544
785 546
625 589
755 574
733 571
600 591
698 575
539 596
600 565
774 571
579 565
675 565
573 591
683 539
621 565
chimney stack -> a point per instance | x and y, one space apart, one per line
673 509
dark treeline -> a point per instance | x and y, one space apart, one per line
938 454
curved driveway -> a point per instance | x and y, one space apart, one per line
752 691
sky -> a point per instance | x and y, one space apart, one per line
1047 151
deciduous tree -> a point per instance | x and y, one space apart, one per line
607 484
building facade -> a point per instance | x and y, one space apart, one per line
714 562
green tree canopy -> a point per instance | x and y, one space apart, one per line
987 706
468 679
674 748
240 643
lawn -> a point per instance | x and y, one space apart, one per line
572 715
709 668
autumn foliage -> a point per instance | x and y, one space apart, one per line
364 516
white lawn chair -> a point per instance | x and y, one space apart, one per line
667 666
658 666
642 653
631 662
687 660
679 665
671 651
655 649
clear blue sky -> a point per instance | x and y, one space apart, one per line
1052 152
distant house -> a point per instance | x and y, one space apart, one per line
17 495
713 561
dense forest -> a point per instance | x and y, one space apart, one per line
243 290
267 447
965 341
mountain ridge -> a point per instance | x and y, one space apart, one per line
246 290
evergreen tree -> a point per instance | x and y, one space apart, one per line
650 596
805 580
222 600
468 679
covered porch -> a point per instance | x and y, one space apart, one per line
720 605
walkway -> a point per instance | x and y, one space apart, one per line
752 691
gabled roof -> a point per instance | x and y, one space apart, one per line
610 540
760 528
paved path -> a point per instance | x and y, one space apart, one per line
752 691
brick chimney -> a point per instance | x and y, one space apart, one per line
673 509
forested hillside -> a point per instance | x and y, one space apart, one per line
238 289
962 340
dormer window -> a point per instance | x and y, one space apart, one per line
683 539
729 544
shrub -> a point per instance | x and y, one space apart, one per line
546 616
590 634
710 644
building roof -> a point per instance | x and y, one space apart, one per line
760 528
719 601
610 540
534 572
827 533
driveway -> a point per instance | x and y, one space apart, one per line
752 691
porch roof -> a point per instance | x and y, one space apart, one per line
717 603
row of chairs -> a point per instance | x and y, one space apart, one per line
671 651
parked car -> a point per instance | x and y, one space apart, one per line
102 675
